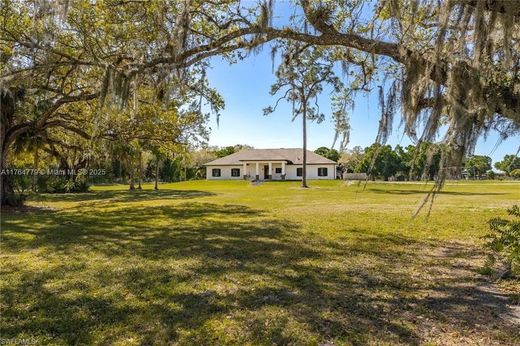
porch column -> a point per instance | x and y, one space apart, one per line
283 170
244 170
270 175
257 172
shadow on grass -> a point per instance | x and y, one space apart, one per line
123 195
205 273
442 192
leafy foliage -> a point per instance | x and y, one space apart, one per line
349 159
508 164
331 154
420 161
515 173
504 240
379 161
225 151
107 71
477 165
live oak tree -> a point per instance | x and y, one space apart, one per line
508 164
438 47
379 161
419 161
161 127
96 51
477 165
349 159
453 64
330 153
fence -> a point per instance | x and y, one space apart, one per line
354 176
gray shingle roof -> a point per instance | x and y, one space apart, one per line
290 155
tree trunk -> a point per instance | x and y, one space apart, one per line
140 171
156 185
131 173
132 185
35 164
304 165
120 168
7 194
453 155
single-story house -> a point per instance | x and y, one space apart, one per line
270 164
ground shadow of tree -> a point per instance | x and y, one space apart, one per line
442 192
122 195
205 273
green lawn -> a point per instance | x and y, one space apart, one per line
212 263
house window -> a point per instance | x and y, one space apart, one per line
322 172
215 172
299 172
235 172
278 170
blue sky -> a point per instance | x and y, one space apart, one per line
245 88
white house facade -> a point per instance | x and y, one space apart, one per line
270 164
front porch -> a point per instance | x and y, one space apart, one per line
264 170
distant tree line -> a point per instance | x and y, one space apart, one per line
400 163
71 170
123 163
178 166
414 162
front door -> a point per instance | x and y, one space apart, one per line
266 172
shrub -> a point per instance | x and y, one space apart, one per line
490 175
59 184
515 173
21 183
504 241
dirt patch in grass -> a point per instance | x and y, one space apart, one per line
471 306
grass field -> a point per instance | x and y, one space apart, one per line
214 263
